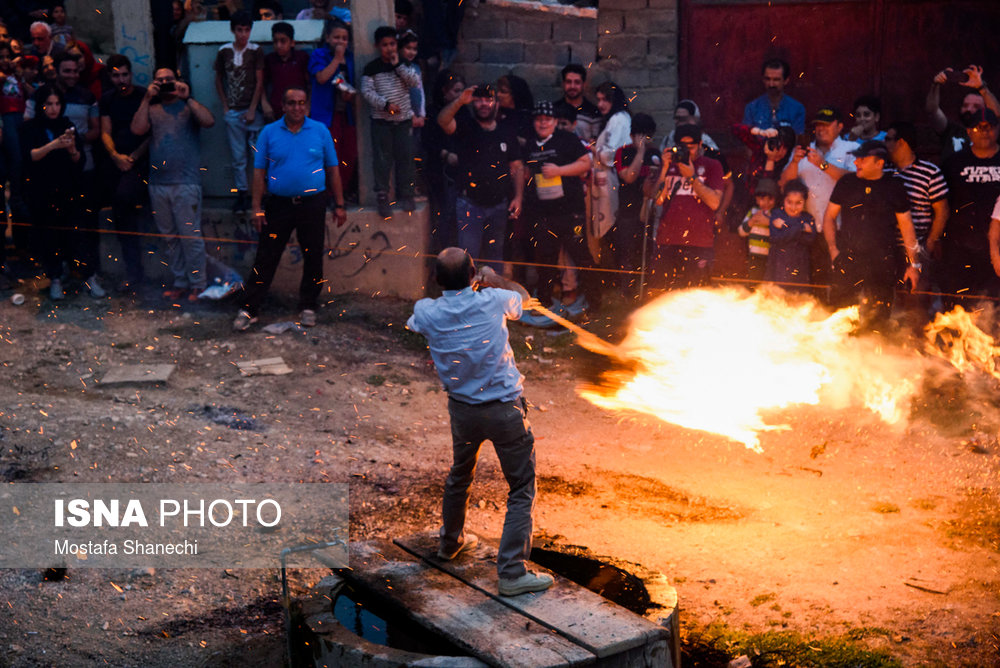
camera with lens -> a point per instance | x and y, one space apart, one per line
168 87
681 154
773 143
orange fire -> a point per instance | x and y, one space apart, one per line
955 337
724 360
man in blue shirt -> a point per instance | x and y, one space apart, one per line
466 330
296 165
774 108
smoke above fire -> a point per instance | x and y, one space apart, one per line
727 360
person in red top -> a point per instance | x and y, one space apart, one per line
285 67
691 192
91 71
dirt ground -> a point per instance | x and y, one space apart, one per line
842 527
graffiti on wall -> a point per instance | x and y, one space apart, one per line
137 47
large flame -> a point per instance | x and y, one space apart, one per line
955 337
721 360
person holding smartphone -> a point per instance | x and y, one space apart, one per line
54 168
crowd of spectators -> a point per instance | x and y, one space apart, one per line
839 206
572 195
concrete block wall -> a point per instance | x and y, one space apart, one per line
631 42
525 38
369 255
637 48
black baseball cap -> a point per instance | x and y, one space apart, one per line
984 115
827 115
872 147
544 108
687 131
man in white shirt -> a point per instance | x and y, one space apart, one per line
820 166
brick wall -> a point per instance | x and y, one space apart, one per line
631 42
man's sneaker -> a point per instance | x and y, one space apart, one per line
408 204
382 203
243 321
471 542
96 291
307 318
56 290
528 582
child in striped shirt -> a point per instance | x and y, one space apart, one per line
757 228
385 85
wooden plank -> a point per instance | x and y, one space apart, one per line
138 373
586 618
473 621
270 366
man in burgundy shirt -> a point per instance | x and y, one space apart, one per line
691 192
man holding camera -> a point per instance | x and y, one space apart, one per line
691 191
175 119
954 136
820 165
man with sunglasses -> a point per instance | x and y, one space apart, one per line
973 176
691 192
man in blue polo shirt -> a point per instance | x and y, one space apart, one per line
774 109
466 330
296 165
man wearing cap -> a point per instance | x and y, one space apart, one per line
490 172
973 176
554 203
820 166
691 193
864 251
774 108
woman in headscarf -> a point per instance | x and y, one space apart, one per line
53 159
515 103
616 124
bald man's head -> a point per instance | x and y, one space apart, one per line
454 269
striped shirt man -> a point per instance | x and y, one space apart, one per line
925 185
